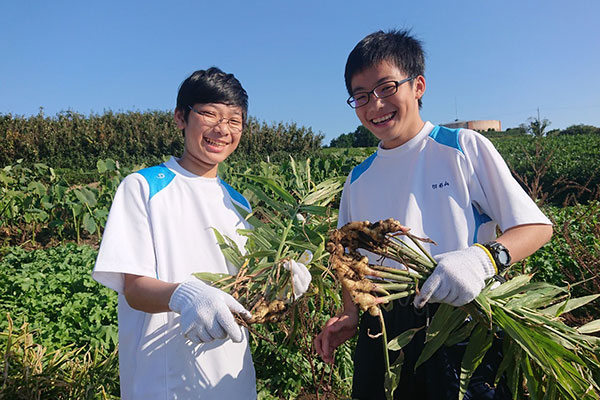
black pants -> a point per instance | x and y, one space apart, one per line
436 379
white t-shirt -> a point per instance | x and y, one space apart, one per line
449 185
160 225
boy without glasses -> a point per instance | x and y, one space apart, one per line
178 338
448 185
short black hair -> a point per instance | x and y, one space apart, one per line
398 47
211 86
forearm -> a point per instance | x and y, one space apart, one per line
148 294
349 306
523 240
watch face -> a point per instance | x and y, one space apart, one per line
503 257
500 254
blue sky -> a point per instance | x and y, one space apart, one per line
485 59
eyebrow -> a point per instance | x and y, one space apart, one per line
236 112
380 81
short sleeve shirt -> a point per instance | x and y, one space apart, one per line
161 225
449 185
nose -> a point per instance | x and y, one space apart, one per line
375 102
222 127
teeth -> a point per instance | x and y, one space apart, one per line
383 119
215 142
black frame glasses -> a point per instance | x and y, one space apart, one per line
214 119
381 91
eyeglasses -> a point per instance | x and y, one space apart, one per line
213 119
380 91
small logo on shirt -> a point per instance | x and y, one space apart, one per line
160 175
440 185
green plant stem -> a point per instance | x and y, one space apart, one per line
386 355
398 272
76 224
399 287
285 233
389 275
395 296
400 247
420 246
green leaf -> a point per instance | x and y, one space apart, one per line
277 206
590 327
479 343
101 166
106 165
210 277
324 193
510 287
461 334
37 188
552 357
537 294
229 249
510 362
316 210
270 183
89 223
443 323
299 183
403 339
392 378
59 189
86 196
101 213
569 305
533 384
242 211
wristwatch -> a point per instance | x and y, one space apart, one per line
500 254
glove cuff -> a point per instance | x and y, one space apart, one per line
185 293
486 260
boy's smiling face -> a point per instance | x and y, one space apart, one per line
395 119
207 144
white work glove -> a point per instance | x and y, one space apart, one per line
458 277
301 277
206 312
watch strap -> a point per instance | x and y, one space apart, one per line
495 250
489 255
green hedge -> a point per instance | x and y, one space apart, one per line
562 165
565 165
72 140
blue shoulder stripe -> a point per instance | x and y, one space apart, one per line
362 167
236 196
480 219
446 136
158 177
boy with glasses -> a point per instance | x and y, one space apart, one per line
448 185
178 338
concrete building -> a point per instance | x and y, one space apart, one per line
479 125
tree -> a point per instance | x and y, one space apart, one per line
364 138
537 126
345 140
520 130
580 129
361 137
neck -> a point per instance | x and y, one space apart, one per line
408 132
197 166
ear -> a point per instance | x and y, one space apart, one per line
179 118
419 86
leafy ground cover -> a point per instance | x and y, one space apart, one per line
52 290
57 309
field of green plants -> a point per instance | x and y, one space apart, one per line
58 328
